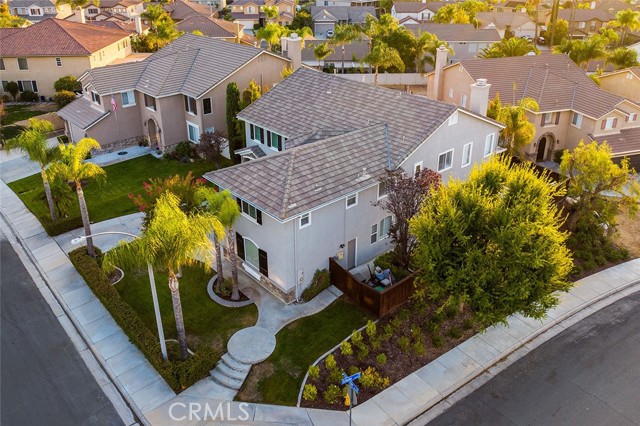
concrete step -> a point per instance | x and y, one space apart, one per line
231 372
234 364
226 381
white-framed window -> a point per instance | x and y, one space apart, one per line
445 160
581 24
417 168
352 200
249 210
58 62
463 100
150 102
27 85
488 144
610 123
206 106
305 220
576 120
453 119
193 132
23 64
466 154
35 12
251 255
274 141
451 92
92 11
257 133
374 233
128 99
382 190
190 105
95 97
632 117
385 225
547 118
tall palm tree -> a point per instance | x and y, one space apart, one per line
383 56
223 207
321 51
172 240
344 34
583 51
72 168
33 142
505 48
627 20
426 49
518 131
270 33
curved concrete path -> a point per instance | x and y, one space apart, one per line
252 345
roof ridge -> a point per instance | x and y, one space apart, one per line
56 21
287 185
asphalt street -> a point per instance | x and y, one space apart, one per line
589 375
44 380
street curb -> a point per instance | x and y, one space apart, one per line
523 347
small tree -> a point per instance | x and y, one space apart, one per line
13 89
211 146
405 195
321 51
383 56
623 57
69 83
64 97
493 243
271 12
251 94
518 131
234 131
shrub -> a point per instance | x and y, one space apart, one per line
64 97
225 288
330 363
388 261
416 332
363 354
184 151
437 340
433 326
381 359
321 280
335 376
356 338
28 96
455 333
371 329
468 324
68 83
371 379
418 347
310 392
387 332
403 343
404 314
314 372
13 88
332 394
375 344
346 349
396 322
352 370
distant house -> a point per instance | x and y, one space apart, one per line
572 106
174 95
38 10
585 22
250 12
123 10
310 178
217 4
415 11
179 10
325 18
38 55
374 3
133 27
520 23
624 83
216 28
464 39
511 6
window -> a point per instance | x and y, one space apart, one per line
257 133
417 168
488 144
96 98
275 141
632 117
150 102
58 62
305 220
24 85
609 123
453 119
1 64
128 99
581 24
385 225
193 132
592 26
463 101
451 92
445 160
250 211
92 10
352 200
251 253
190 105
35 12
23 64
548 118
382 190
576 120
206 106
374 233
629 76
466 154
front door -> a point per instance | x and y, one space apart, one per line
351 254
542 146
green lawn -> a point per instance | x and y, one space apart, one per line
206 322
278 379
19 113
110 199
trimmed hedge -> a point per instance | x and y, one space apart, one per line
177 373
321 280
62 225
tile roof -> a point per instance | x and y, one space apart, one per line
296 180
58 37
503 19
114 3
626 142
190 65
456 32
584 15
336 103
211 27
82 112
27 3
129 26
417 6
183 9
554 81
354 15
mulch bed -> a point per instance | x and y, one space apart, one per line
243 297
400 363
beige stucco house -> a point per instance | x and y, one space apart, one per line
622 83
174 95
250 12
36 56
38 10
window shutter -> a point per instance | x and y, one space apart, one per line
542 120
239 201
240 246
186 103
615 122
557 118
626 119
259 217
263 262
604 123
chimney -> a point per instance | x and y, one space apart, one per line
237 30
435 92
139 25
479 96
292 49
424 1
79 12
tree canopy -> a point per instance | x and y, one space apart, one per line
518 131
504 48
7 20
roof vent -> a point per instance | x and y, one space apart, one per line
292 206
294 36
481 82
318 188
362 176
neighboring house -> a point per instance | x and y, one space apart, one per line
511 6
180 10
309 180
174 95
624 83
520 23
249 12
374 3
465 40
38 55
585 22
353 54
614 6
133 27
325 18
217 4
109 9
572 106
416 11
215 28
38 10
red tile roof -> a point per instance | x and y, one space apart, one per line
56 37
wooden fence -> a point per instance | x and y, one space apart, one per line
378 303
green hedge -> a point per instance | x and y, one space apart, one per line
177 373
62 225
388 261
321 280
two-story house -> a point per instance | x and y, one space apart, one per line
250 12
325 18
415 11
216 28
585 22
174 95
38 10
374 3
517 22
38 55
572 106
109 9
624 82
179 10
309 181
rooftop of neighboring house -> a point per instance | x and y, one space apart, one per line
585 15
27 3
633 70
625 142
596 65
358 48
183 9
616 5
456 32
258 2
82 112
342 13
129 26
191 65
416 6
56 37
211 27
503 19
554 81
114 3
511 3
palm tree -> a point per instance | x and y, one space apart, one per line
33 141
344 34
270 33
518 131
321 51
383 56
583 51
72 168
426 49
627 20
172 240
226 210
153 14
623 57
514 46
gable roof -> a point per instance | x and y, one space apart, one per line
633 70
183 9
114 3
626 142
503 19
583 15
554 81
409 6
211 27
59 37
190 65
342 13
456 32
82 112
129 26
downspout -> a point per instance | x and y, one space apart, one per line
295 259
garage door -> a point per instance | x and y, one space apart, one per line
322 28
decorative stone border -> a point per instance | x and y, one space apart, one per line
220 301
